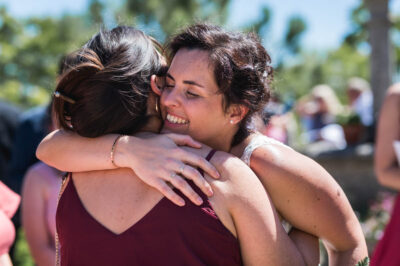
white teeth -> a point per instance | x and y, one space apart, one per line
176 120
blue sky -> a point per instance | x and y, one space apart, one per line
327 21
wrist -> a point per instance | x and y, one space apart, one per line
118 151
123 155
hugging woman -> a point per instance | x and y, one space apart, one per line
111 217
216 82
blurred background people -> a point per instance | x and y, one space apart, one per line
277 120
28 134
9 200
9 115
40 189
318 112
360 99
30 131
32 126
387 170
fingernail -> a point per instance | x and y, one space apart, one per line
181 203
210 192
199 201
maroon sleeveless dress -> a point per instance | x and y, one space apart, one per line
167 235
386 252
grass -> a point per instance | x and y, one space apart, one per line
22 256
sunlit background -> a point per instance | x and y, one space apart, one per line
305 38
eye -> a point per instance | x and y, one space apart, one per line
191 94
168 86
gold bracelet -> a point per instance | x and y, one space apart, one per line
113 149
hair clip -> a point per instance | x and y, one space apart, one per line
57 94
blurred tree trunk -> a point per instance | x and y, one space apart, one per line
381 71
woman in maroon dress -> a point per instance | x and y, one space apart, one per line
387 169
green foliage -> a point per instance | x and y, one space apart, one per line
31 48
364 262
261 24
348 118
359 21
30 53
333 68
296 28
169 16
22 255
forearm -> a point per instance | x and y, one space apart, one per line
72 153
348 257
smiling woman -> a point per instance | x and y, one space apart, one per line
188 94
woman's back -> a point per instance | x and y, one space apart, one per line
118 220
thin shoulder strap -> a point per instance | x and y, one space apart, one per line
210 154
208 158
257 141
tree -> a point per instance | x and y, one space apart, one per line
371 25
378 27
31 49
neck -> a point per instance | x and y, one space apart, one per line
153 125
223 143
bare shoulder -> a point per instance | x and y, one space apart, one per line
237 179
283 169
276 158
40 174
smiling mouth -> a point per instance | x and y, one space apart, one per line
176 120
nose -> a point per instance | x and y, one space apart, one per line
170 97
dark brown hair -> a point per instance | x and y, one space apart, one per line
241 65
109 82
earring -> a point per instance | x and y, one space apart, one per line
231 121
157 104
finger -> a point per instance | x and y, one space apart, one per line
184 140
193 174
198 161
179 183
169 193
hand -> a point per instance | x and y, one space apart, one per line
158 161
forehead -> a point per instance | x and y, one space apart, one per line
189 63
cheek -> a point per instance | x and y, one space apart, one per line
162 101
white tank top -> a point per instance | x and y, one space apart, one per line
255 142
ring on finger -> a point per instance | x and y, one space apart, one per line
182 168
173 174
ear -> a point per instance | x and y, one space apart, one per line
155 84
237 112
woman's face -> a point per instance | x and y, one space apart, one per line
191 103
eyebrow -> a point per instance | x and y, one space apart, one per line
189 82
